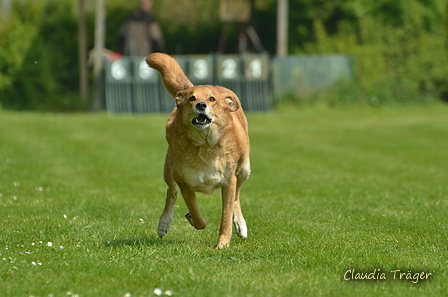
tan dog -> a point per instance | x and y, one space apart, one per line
208 148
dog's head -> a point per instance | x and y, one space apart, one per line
206 107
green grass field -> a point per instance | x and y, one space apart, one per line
331 190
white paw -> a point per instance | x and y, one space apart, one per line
164 226
240 228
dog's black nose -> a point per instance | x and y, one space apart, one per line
201 106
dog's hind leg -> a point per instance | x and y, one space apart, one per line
194 216
238 220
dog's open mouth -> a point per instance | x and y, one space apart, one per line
202 121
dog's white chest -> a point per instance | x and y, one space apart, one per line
205 178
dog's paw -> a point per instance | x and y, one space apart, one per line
164 226
221 245
189 219
162 231
240 228
199 226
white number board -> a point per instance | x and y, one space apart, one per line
200 67
228 67
118 70
256 67
144 71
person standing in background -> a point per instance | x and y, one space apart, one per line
140 33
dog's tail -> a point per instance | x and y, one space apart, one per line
173 76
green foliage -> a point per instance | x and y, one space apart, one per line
59 28
45 66
400 55
17 34
197 27
34 84
330 190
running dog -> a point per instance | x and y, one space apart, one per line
208 148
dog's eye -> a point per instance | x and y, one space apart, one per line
211 99
192 98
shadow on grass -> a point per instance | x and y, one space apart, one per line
134 242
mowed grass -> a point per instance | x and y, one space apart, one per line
331 190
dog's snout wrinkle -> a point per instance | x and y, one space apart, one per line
201 106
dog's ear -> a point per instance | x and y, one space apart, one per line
179 97
234 105
230 97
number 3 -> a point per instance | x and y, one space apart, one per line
200 69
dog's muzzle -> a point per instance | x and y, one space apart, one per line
202 121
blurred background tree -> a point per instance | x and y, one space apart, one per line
39 56
399 47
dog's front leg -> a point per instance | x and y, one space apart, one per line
225 230
194 216
167 214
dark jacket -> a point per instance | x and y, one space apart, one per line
140 35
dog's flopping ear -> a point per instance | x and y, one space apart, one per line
230 97
232 102
179 97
